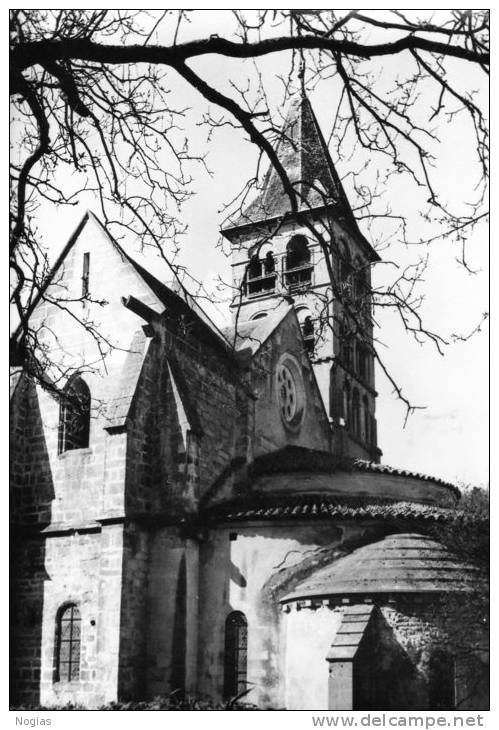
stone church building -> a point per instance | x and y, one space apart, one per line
206 510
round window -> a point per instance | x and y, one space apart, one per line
290 392
287 393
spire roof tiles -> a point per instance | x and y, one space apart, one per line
305 157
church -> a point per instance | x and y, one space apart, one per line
206 510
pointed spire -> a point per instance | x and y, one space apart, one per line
304 155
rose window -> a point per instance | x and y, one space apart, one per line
290 391
286 393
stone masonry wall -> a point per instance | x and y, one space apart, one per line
27 580
167 471
68 493
84 569
270 432
451 623
172 626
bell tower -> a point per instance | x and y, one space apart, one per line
317 259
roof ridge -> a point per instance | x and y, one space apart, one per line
158 288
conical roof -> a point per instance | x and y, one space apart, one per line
305 157
406 563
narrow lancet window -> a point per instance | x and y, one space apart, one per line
74 418
85 277
236 654
298 271
68 631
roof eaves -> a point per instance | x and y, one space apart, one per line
374 467
229 231
323 507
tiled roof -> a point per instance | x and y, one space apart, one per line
303 153
297 458
400 563
372 466
325 507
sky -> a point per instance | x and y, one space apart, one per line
448 437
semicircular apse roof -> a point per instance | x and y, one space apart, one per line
400 563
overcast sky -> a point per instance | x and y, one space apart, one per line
449 437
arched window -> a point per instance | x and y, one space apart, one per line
269 263
372 431
362 361
308 334
74 418
345 266
347 350
346 403
68 638
261 274
298 272
297 253
361 284
366 419
85 276
356 412
441 681
346 345
307 327
254 268
236 654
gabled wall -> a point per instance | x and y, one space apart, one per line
142 461
270 431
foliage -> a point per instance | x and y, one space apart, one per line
171 702
97 95
468 535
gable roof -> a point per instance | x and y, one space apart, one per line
166 296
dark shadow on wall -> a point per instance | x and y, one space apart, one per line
31 496
472 682
154 485
132 675
179 644
384 677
